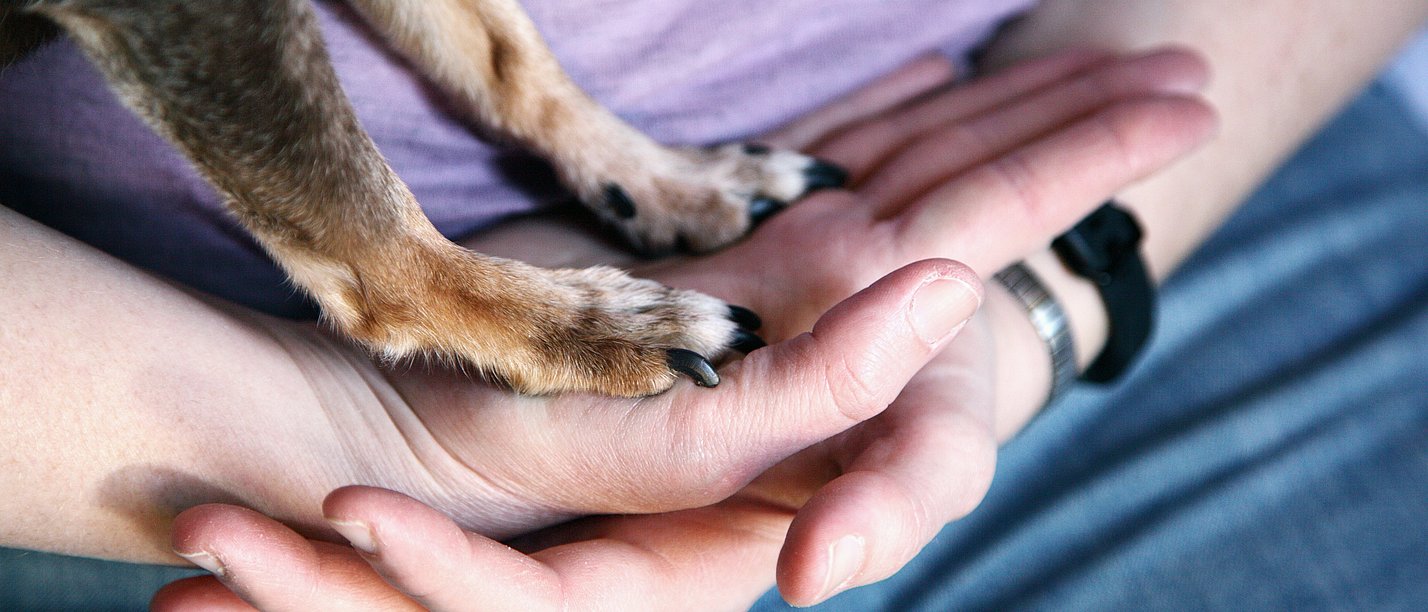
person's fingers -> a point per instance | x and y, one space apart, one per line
708 558
861 147
712 558
425 554
917 77
407 556
273 568
198 593
941 153
1019 200
904 480
780 399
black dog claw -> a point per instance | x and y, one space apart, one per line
823 175
746 318
763 208
619 201
693 365
746 342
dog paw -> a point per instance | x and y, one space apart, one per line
543 331
702 199
631 337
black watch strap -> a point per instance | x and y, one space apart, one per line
1105 248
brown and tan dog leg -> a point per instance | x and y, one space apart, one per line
488 55
244 88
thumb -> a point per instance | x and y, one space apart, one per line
864 350
780 399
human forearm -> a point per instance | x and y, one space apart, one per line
126 400
1280 69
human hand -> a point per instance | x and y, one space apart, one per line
515 463
928 459
713 558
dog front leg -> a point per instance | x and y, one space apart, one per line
489 56
244 88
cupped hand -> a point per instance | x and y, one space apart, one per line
505 464
410 557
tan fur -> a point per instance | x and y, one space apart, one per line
491 59
244 89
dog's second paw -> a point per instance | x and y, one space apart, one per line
702 199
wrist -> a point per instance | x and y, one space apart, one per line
1085 311
1101 252
1025 368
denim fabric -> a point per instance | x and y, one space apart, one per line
40 582
1270 452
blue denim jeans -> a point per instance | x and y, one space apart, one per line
1269 452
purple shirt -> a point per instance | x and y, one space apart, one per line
685 71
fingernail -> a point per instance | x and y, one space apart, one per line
359 534
204 560
940 306
845 558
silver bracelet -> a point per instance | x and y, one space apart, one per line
1049 320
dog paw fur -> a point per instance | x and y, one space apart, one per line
543 331
700 199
